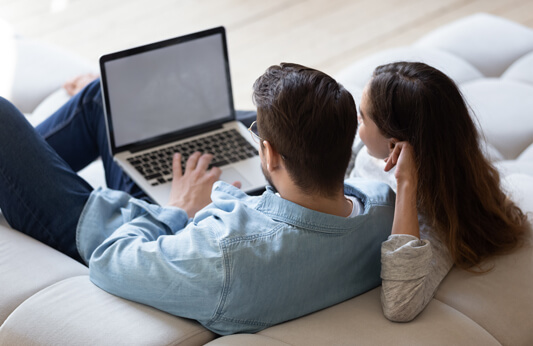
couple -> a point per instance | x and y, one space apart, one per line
238 263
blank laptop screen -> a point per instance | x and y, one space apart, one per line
168 89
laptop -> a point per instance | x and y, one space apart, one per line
176 96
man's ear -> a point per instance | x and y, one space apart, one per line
272 157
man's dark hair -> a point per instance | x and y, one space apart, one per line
310 120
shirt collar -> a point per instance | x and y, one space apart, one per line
291 213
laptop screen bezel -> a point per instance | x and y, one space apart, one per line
171 136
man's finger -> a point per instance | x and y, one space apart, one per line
204 161
192 161
176 165
216 173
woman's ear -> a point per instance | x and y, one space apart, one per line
392 143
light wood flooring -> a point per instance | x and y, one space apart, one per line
325 34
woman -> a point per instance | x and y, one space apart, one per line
414 117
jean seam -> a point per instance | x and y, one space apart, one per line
23 203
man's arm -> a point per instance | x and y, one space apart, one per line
181 273
157 258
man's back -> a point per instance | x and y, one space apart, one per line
244 263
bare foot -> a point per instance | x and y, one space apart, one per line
74 85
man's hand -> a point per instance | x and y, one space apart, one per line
191 190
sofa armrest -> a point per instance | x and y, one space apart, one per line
75 309
27 266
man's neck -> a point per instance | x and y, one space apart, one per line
336 204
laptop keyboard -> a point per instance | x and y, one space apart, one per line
227 147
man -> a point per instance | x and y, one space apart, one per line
233 262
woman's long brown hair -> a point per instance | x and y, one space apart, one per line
459 191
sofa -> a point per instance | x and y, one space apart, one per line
46 298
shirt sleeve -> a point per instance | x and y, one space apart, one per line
160 259
411 272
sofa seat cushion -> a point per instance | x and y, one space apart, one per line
360 321
489 43
501 300
76 311
504 110
28 266
247 340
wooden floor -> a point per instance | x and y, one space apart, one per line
325 34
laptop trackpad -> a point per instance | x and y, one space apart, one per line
230 175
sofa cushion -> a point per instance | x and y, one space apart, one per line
76 311
489 43
520 189
521 70
500 301
28 266
456 68
33 81
508 167
48 106
527 155
360 321
504 109
26 81
8 59
247 340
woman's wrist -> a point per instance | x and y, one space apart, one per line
406 213
408 186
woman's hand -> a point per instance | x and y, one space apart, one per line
405 213
191 190
402 156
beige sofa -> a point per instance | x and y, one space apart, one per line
47 299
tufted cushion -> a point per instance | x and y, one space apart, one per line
26 80
505 111
33 81
459 70
488 42
527 155
521 70
520 189
8 59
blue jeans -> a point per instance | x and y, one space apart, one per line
40 193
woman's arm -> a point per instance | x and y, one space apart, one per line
405 213
412 268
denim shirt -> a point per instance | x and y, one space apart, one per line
242 263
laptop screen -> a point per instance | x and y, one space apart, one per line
169 87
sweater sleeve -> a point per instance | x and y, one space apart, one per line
411 272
